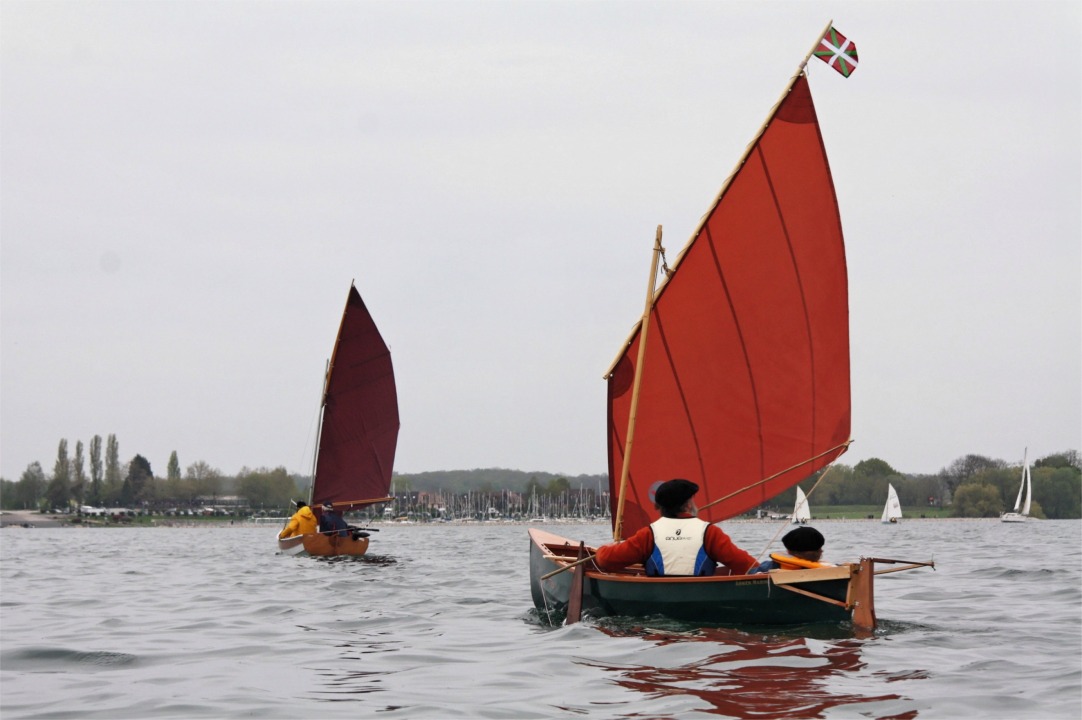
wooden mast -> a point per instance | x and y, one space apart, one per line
625 467
319 429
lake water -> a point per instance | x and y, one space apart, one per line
438 623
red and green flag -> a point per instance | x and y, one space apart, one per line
838 52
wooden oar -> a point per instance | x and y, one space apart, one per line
574 600
569 566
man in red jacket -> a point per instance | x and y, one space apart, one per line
678 543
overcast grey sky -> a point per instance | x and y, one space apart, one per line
188 189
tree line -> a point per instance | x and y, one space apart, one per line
971 486
108 484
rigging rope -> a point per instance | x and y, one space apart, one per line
665 264
808 495
756 484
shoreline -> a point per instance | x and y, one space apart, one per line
31 519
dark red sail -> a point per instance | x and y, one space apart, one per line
359 430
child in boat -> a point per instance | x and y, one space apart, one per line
331 522
678 543
805 543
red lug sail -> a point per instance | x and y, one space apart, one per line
746 369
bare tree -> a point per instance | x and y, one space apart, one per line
962 469
206 481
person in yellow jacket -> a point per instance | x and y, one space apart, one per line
303 522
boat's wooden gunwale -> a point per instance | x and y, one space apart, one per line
291 543
728 599
319 545
555 553
789 577
673 579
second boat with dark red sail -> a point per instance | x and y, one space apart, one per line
358 431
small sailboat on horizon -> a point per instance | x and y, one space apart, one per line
892 511
801 511
1021 508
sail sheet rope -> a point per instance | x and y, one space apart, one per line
843 447
808 495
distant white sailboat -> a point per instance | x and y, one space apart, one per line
801 512
1021 509
892 511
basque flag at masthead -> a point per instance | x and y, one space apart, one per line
838 52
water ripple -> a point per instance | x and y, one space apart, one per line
210 623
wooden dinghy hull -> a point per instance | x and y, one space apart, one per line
320 545
793 597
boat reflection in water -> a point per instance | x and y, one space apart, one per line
362 559
757 676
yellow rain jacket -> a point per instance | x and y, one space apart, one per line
302 523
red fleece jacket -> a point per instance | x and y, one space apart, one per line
637 548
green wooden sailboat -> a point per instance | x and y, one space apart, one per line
736 378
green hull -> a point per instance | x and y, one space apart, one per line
738 600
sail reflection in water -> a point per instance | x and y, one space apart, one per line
755 676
